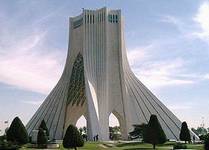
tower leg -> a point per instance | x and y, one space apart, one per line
92 112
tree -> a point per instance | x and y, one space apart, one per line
81 130
206 142
139 131
200 131
185 133
44 127
85 133
17 132
114 133
154 133
72 138
41 138
85 130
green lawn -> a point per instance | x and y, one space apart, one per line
89 146
128 146
133 146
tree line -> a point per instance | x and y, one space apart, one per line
16 136
153 133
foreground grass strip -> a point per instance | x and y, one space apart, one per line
92 146
126 146
145 146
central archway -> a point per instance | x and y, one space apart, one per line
76 94
76 98
81 124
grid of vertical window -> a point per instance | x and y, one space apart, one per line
113 18
116 18
90 18
100 17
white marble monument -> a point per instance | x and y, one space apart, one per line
97 81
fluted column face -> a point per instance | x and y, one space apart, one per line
98 81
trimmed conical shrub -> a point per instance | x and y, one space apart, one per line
72 138
41 139
154 133
44 127
206 142
17 132
185 134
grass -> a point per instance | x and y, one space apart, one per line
128 146
196 146
89 146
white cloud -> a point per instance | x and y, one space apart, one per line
172 20
27 66
197 27
154 81
26 61
164 73
36 102
184 105
157 74
138 53
180 107
202 19
206 76
180 24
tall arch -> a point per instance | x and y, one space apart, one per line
81 122
76 92
122 123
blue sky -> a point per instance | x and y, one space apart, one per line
167 44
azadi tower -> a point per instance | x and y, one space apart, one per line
97 81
